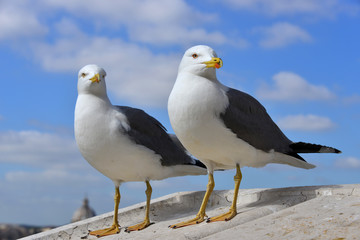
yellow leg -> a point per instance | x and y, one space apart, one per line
146 221
115 227
201 214
232 211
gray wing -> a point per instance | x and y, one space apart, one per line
147 131
248 119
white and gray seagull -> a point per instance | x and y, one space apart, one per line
226 128
125 144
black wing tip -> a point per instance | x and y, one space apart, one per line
199 163
195 162
302 147
327 149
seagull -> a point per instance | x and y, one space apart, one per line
226 128
125 144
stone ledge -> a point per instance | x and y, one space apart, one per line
320 212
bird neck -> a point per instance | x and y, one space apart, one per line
101 99
205 75
210 74
99 92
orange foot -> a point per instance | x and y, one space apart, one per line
223 217
114 229
198 219
139 226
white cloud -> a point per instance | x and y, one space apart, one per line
282 34
132 68
348 163
354 99
292 87
39 192
156 22
51 177
306 123
17 21
117 13
44 173
68 28
133 73
318 8
36 149
160 35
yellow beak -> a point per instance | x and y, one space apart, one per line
95 78
214 63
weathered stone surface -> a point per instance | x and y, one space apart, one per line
314 212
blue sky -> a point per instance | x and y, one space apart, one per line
300 59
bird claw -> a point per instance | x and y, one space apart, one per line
114 229
139 226
223 217
198 219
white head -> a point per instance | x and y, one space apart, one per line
200 60
91 79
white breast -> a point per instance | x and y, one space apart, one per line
194 106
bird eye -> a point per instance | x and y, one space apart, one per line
195 55
83 74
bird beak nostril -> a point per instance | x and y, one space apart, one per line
95 78
214 63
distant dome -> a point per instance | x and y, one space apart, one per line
84 212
